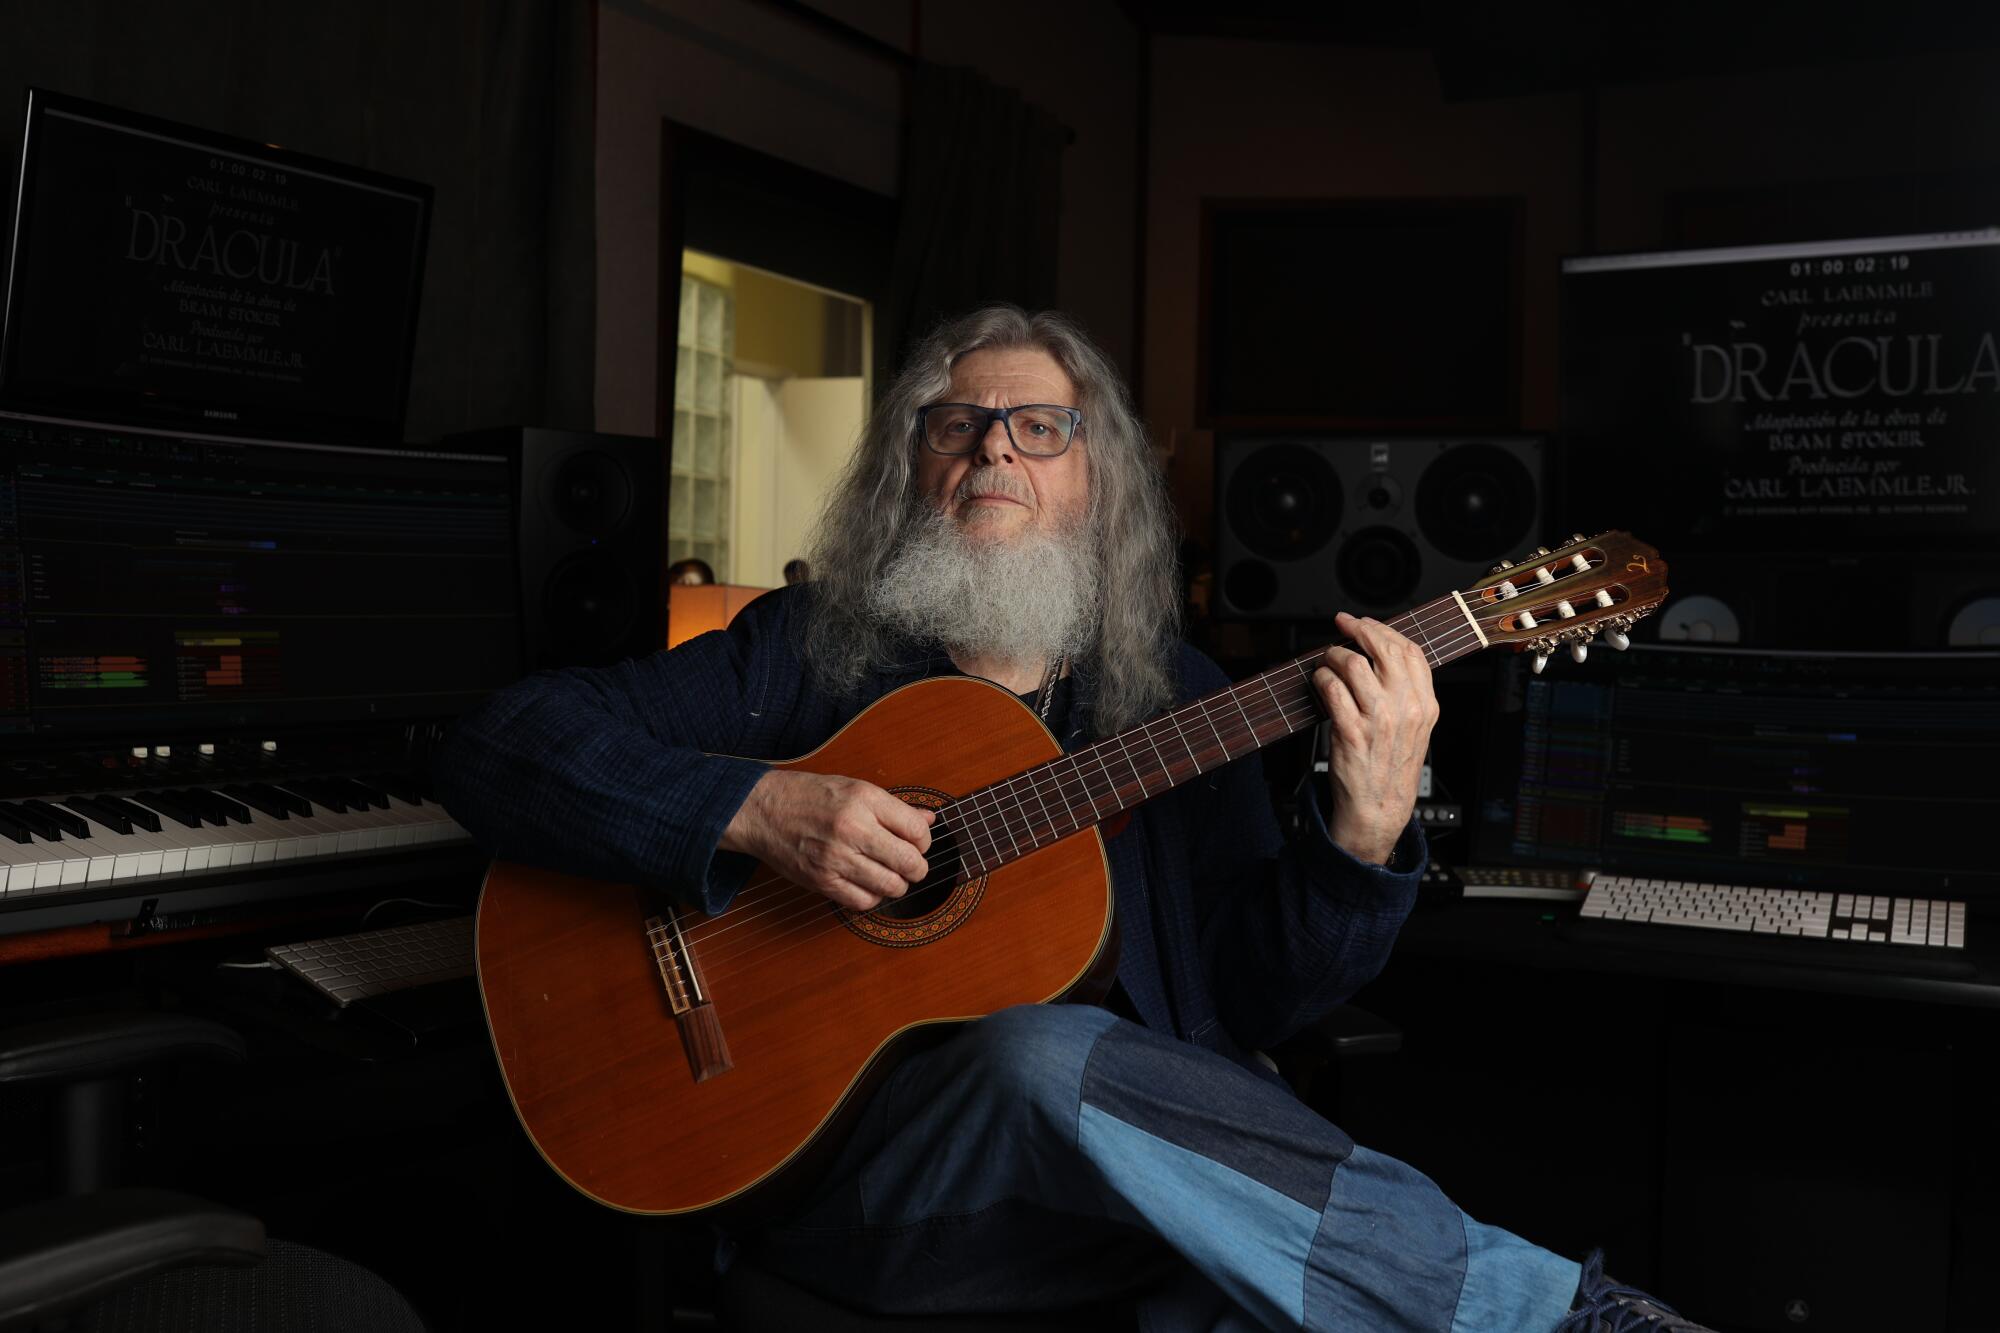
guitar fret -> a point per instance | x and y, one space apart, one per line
1247 724
1203 706
1035 786
1027 816
982 864
1005 826
1126 750
1193 758
1164 767
1085 784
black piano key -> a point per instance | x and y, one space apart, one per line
319 793
138 814
69 821
172 807
103 814
207 806
13 829
297 805
42 825
364 793
235 809
256 800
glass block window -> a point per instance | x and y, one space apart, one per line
699 507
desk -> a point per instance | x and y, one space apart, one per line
1736 1136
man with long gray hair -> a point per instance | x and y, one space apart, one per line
1003 518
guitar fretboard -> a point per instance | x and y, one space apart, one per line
1006 821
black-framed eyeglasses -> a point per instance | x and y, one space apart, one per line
1039 430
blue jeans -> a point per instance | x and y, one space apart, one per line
1053 1156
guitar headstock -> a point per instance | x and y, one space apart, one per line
1582 588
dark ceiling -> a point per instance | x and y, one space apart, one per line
1497 49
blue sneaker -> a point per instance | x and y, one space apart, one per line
1605 1306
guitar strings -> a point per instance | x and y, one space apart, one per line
808 903
810 915
994 807
1000 801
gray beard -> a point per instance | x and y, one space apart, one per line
1021 601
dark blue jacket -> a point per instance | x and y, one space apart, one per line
1229 938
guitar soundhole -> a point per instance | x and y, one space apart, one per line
946 870
930 910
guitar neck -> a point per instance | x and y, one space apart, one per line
1006 821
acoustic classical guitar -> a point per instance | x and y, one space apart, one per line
665 1061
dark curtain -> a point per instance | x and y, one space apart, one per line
981 210
490 103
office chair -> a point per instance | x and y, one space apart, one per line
753 1300
98 1257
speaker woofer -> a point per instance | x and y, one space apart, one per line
591 602
1476 502
1284 502
591 493
1380 567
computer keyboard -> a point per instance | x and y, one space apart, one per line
1924 923
346 968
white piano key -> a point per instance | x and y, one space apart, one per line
18 862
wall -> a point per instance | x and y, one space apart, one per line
751 74
1912 116
1244 119
1265 120
743 72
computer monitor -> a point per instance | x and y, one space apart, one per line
165 276
155 584
1830 770
1834 395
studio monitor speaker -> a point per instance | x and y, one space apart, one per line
589 514
1310 525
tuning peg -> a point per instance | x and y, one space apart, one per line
1575 539
1541 550
1503 565
1580 649
1616 638
1541 660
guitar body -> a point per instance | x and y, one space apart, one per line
804 1001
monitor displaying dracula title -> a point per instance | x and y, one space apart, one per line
1826 395
161 275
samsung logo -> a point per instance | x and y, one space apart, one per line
217 414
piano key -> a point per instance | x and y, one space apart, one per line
14 830
99 814
197 800
69 864
257 800
297 805
167 807
181 848
71 823
231 807
18 862
366 792
192 839
318 793
218 843
38 824
138 814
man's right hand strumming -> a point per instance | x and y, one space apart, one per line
841 837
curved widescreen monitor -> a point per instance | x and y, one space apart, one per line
161 275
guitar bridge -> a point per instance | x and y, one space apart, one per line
694 1015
